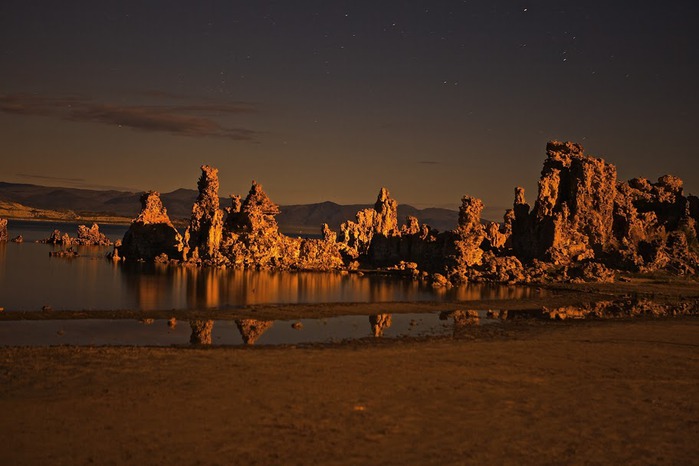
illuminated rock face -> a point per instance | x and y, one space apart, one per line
151 234
573 214
3 229
469 232
357 236
251 239
583 214
203 235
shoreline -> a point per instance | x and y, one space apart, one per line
608 392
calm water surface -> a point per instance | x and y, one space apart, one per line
30 279
99 332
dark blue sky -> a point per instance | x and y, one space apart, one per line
322 100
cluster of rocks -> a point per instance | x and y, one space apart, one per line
249 237
86 237
584 225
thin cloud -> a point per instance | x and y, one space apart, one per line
50 178
183 120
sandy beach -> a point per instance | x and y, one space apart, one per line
602 392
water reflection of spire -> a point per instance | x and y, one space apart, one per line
462 320
203 287
252 329
379 323
201 332
168 287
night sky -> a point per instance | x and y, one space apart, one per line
327 100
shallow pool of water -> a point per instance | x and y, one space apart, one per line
159 332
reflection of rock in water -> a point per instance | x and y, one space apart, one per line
252 329
462 319
379 323
201 332
621 308
497 314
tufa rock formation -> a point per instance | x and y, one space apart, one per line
585 225
151 234
572 216
203 235
58 239
381 221
583 216
91 236
251 239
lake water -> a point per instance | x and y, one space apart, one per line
30 279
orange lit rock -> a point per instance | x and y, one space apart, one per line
204 233
356 236
573 214
251 239
151 233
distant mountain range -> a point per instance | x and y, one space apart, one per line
91 203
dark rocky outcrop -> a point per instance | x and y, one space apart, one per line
151 234
59 239
655 227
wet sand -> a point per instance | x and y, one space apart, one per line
603 392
